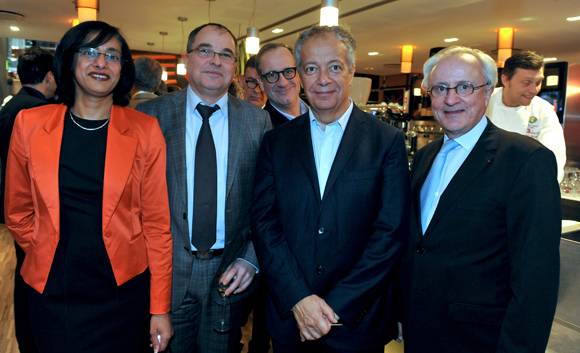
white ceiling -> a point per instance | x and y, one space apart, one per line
541 25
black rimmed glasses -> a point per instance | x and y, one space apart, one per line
93 54
273 76
209 54
462 90
251 83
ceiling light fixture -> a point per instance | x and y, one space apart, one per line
406 58
74 22
449 40
505 44
252 39
14 28
278 30
181 62
372 53
329 13
164 74
87 10
550 59
577 18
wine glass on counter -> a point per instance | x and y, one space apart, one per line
223 325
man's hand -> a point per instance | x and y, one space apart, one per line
161 331
240 273
314 317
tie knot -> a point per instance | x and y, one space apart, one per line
206 111
448 146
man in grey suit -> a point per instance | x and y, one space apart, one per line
220 248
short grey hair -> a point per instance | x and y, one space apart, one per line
339 32
487 63
147 74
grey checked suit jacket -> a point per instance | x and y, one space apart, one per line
247 125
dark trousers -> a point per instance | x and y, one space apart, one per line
26 342
260 342
318 346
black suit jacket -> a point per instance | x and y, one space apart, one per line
26 98
276 117
345 247
484 277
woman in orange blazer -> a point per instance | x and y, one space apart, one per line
87 201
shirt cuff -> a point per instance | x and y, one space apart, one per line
257 270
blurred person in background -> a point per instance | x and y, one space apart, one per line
516 107
35 69
250 83
86 199
147 78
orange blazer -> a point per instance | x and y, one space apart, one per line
136 223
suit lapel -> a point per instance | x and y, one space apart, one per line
351 138
236 118
175 136
482 154
45 157
305 152
121 150
419 175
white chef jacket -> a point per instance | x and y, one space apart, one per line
538 121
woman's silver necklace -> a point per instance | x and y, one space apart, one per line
86 128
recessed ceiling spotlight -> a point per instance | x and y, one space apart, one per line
278 30
374 53
550 59
449 40
573 18
14 28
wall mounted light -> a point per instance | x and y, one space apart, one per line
406 58
505 44
87 9
329 13
252 41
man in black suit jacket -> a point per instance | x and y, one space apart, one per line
480 273
38 85
278 79
330 211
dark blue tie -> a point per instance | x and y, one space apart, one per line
204 185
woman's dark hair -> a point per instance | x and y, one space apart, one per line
64 60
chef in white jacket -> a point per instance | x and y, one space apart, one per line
517 108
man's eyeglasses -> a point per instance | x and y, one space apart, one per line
93 54
462 90
273 76
251 84
209 54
